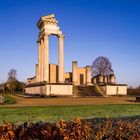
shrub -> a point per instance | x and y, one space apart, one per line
96 129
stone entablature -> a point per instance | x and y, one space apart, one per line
48 25
50 19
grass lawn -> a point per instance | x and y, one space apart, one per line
9 100
33 114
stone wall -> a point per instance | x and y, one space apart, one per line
53 70
36 90
116 89
81 72
51 90
59 90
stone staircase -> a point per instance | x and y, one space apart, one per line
85 91
102 90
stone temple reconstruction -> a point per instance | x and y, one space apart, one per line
51 79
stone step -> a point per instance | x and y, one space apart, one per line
87 91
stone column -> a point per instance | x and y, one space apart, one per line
37 76
105 79
100 78
74 72
39 61
108 79
112 79
46 58
94 80
42 61
61 59
88 75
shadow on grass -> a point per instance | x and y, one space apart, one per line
125 118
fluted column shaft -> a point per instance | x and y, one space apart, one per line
61 59
46 59
37 75
74 73
41 64
39 61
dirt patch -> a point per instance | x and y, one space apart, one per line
72 101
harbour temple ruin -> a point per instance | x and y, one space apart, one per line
52 80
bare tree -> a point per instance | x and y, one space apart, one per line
101 66
131 87
12 80
12 75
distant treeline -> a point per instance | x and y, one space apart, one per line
132 91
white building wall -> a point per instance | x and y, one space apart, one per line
35 90
122 90
116 90
67 90
111 90
51 90
59 90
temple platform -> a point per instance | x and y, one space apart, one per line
50 89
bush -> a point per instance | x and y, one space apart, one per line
98 129
133 92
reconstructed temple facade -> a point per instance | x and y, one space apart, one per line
50 79
52 73
48 26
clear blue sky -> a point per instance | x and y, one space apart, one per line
92 28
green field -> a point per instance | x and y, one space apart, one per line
33 114
9 100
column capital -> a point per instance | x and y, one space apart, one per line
39 40
42 38
61 36
42 41
46 35
39 43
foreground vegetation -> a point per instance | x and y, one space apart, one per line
103 129
9 100
52 114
